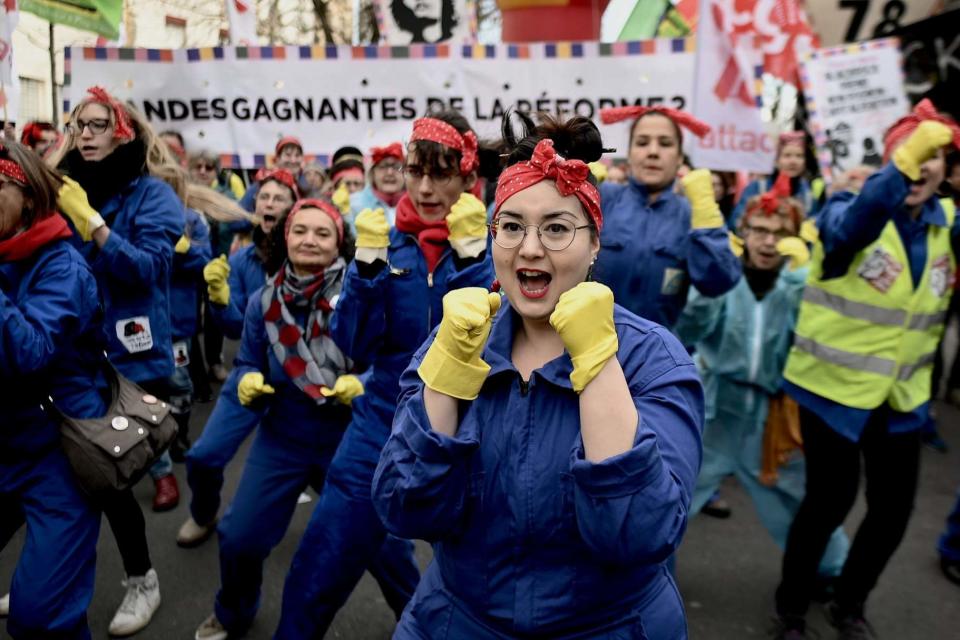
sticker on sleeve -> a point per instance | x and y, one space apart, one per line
181 353
941 276
134 334
880 270
673 281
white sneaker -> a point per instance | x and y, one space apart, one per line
192 534
5 606
211 629
139 604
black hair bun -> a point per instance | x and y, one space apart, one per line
575 139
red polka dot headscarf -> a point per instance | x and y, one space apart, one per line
683 119
316 203
570 176
434 130
908 124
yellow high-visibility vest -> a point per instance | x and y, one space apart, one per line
868 337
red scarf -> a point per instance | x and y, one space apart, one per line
26 243
431 236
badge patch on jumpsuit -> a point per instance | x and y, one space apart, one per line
673 280
880 270
941 278
134 334
181 353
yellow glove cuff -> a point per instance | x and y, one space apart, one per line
445 374
587 365
736 244
469 247
219 293
182 246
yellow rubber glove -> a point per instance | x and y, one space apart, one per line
704 211
599 171
467 222
736 244
809 231
373 235
920 147
182 246
584 320
215 274
452 364
251 387
341 198
72 201
345 389
796 250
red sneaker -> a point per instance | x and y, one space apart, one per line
168 494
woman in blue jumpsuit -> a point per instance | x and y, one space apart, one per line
391 301
741 340
129 221
230 286
50 323
654 244
551 467
303 415
791 161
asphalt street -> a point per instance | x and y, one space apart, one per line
727 569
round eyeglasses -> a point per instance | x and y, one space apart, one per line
555 235
416 174
96 125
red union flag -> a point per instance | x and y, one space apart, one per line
771 33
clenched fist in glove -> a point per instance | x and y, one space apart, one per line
345 389
584 319
704 210
373 235
452 365
72 201
215 274
467 222
251 387
922 145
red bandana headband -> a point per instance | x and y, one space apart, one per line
315 203
122 127
392 150
438 131
793 137
570 177
689 122
12 170
282 176
907 124
349 171
769 203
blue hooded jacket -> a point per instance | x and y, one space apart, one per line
50 345
649 254
133 274
529 537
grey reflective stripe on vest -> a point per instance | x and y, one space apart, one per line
856 310
907 370
923 321
856 361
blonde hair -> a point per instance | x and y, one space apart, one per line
161 164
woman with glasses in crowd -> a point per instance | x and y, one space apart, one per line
50 344
391 300
385 186
547 449
122 198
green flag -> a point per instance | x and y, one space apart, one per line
98 16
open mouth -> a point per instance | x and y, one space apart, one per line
88 148
533 282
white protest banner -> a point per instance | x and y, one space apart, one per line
238 101
725 96
853 94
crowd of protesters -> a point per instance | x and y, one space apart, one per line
538 361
